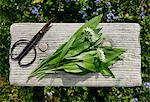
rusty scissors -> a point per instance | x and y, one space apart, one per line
30 45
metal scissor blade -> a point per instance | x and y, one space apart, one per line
33 42
44 29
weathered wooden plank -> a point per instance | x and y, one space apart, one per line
123 35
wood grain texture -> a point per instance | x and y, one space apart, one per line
123 35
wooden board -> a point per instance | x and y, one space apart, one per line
123 35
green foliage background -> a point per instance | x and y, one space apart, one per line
12 11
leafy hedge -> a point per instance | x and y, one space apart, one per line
12 11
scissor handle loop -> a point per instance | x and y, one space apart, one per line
22 41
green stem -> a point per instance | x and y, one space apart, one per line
49 71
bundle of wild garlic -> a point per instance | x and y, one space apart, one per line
83 53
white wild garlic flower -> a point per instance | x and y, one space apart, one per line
101 54
87 29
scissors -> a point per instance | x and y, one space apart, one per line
29 45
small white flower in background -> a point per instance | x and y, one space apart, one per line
118 91
49 94
101 54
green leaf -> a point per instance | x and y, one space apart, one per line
51 57
26 13
72 68
107 72
110 63
37 1
97 30
78 49
112 53
92 24
84 55
78 40
104 67
87 65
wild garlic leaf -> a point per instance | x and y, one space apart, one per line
112 53
84 55
87 65
89 59
104 67
107 72
97 31
54 55
72 68
78 49
79 40
97 64
110 63
92 24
